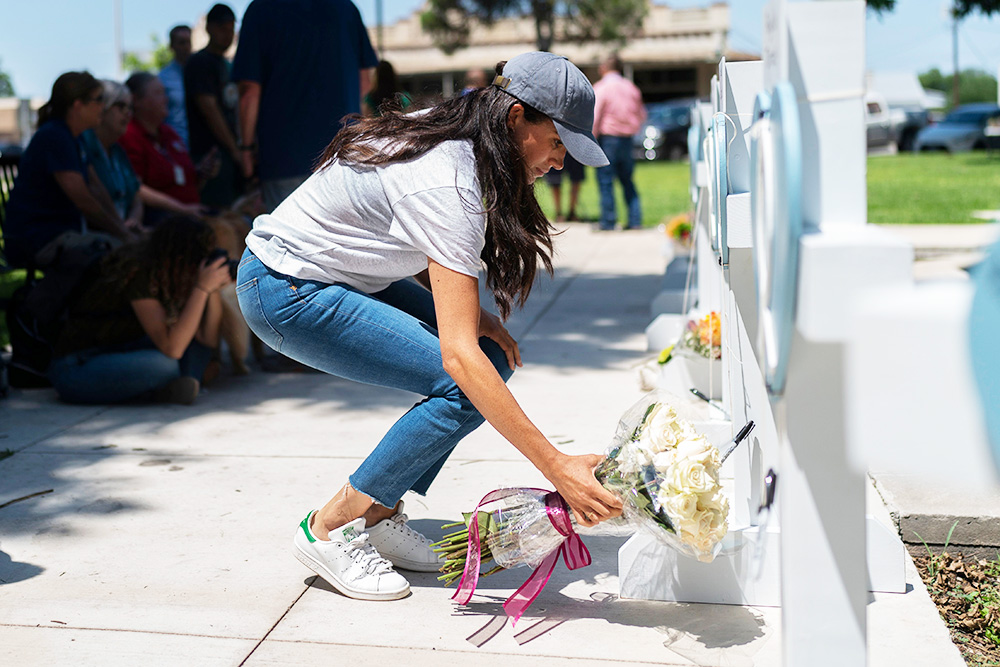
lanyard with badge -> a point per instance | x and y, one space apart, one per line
179 177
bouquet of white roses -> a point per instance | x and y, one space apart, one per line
663 470
667 475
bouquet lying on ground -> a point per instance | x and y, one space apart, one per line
663 470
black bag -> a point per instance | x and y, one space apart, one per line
30 341
38 310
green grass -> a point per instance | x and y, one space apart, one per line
662 186
9 281
930 188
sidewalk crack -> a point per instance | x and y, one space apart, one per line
280 619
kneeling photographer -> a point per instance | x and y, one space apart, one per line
145 325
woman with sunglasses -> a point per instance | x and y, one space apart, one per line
51 204
109 159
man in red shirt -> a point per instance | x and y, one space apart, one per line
618 114
158 155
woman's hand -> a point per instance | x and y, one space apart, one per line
134 224
196 210
491 327
573 477
213 275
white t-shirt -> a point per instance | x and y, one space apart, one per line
371 226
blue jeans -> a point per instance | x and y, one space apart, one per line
387 339
124 372
619 152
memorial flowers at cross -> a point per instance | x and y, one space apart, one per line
678 230
665 472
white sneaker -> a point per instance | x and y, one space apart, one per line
405 547
349 562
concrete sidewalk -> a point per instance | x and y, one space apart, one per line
166 537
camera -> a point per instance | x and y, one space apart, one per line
233 264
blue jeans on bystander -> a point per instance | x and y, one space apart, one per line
387 339
123 372
619 152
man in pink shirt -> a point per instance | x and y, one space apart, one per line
618 114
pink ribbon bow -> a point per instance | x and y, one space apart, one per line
573 550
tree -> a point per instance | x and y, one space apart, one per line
974 85
607 21
6 85
960 8
966 7
151 61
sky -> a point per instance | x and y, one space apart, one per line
40 39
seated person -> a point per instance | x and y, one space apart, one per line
108 158
169 178
146 322
51 203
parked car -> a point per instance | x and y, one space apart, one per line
664 136
11 149
883 124
963 129
917 118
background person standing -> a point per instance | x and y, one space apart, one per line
211 106
301 65
618 114
172 76
576 173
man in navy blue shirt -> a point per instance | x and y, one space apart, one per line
211 99
301 65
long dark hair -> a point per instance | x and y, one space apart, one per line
518 235
68 88
170 256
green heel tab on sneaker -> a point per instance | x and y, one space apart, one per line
305 527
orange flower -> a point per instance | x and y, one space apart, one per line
710 330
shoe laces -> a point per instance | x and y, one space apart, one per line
366 556
400 523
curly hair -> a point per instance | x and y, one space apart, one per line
171 256
518 234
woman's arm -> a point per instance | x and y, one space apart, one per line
456 303
134 219
157 199
173 339
249 110
76 189
211 321
100 192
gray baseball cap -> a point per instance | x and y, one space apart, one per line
554 86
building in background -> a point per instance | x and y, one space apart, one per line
673 56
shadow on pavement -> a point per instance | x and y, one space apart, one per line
12 571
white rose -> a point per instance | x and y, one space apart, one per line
632 460
657 433
663 461
691 477
699 450
715 501
681 508
704 531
